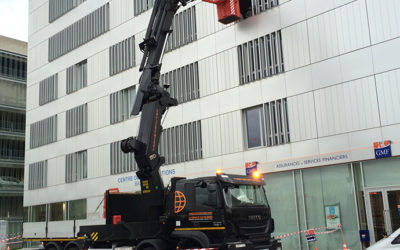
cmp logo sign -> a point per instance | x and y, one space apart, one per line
383 149
251 167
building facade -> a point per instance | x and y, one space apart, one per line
13 68
305 89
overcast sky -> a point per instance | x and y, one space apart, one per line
14 19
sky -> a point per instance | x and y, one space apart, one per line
14 19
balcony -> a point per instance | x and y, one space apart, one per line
11 186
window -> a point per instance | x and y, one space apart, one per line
10 208
184 82
77 77
119 161
122 56
43 132
76 166
38 213
37 175
79 33
13 122
48 89
57 211
12 66
77 210
255 7
261 58
57 8
267 125
141 6
12 149
255 127
77 122
121 103
184 29
181 143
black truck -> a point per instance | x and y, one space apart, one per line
222 211
219 212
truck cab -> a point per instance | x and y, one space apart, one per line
231 210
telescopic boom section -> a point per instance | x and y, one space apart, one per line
152 99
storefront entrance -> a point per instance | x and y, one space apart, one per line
383 211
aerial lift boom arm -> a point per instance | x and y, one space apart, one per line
152 99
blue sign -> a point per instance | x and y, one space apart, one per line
364 236
383 149
251 167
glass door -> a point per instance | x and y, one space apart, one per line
383 212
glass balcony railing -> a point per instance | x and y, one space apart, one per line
16 127
12 154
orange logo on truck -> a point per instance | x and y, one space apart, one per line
180 201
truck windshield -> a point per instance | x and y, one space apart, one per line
245 195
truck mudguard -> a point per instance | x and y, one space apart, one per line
197 236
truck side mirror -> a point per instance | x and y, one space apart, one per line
212 194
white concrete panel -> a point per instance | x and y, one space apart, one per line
98 161
32 97
352 26
273 88
173 117
347 107
231 132
191 111
386 55
357 64
98 67
229 100
61 126
227 65
298 81
34 230
279 152
323 36
209 106
205 47
99 113
226 38
388 90
292 12
301 114
334 144
392 133
52 171
295 46
62 83
233 163
37 56
250 94
316 7
206 17
38 18
339 3
361 143
383 19
326 73
60 229
208 76
120 12
305 149
211 136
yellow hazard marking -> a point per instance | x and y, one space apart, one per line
199 228
95 236
53 239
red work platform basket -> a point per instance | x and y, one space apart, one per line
228 10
